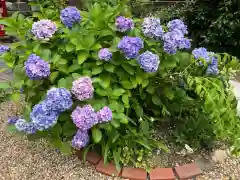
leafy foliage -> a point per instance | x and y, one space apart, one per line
137 99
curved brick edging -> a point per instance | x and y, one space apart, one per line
181 172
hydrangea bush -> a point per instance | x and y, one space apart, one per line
98 79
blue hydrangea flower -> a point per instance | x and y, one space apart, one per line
152 28
84 117
201 53
69 16
177 24
43 117
124 24
36 68
213 66
130 46
80 140
104 115
59 99
149 61
44 29
174 40
27 127
3 49
105 54
12 120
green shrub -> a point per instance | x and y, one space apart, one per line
137 98
213 24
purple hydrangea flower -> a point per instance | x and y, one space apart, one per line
177 24
80 140
124 24
12 120
84 117
43 117
69 16
36 68
174 40
3 49
27 127
44 29
104 115
83 89
201 53
213 66
130 46
149 61
152 28
59 99
105 54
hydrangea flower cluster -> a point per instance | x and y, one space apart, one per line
130 46
36 68
69 16
152 28
201 53
104 115
59 99
149 61
105 54
45 114
27 127
83 89
44 29
174 40
124 24
3 49
43 117
213 66
84 117
80 140
177 24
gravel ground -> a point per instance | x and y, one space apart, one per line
24 160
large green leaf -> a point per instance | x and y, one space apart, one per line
127 84
97 70
53 76
97 135
118 92
4 85
82 56
128 68
156 100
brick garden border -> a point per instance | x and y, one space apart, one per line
183 172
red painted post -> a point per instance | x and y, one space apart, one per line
3 13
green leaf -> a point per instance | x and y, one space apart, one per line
144 144
66 148
138 110
53 76
11 128
46 54
97 135
105 80
150 89
125 100
56 58
4 85
15 97
96 10
82 56
156 100
97 70
70 47
169 93
88 41
127 84
118 92
128 68
116 157
101 92
65 82
96 47
74 68
145 83
115 123
109 67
